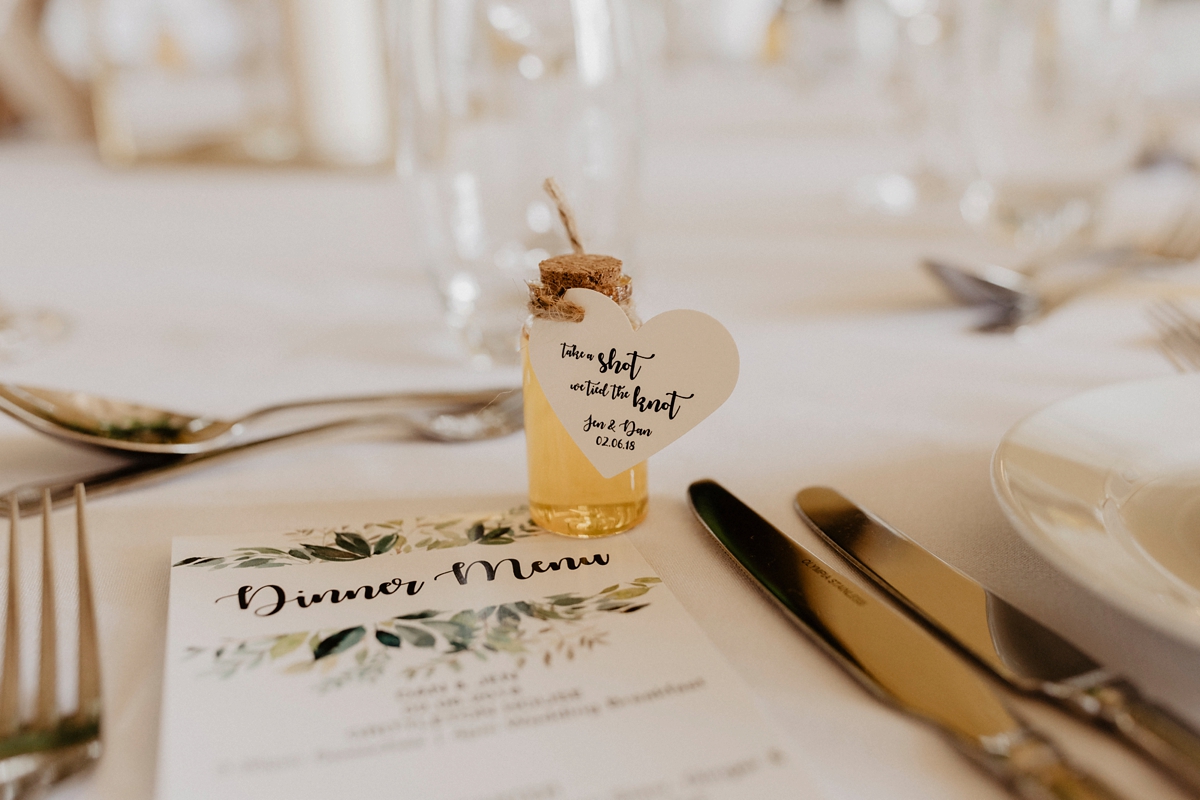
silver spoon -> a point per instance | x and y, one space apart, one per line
1008 295
109 424
500 416
1013 299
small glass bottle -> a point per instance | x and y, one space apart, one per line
567 494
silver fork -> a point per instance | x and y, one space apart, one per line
47 746
1178 334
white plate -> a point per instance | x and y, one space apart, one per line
1106 485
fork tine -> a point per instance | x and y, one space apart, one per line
1186 329
1179 334
89 656
46 711
10 699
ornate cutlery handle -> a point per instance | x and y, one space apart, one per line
1150 728
1033 768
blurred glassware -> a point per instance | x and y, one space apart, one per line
1052 112
246 80
33 89
821 39
908 46
498 95
722 30
1173 83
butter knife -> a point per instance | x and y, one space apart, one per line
896 659
1016 648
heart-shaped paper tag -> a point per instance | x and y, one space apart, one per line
622 394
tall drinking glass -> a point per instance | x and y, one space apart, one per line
1052 112
497 95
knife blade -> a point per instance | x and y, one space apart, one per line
1016 648
896 659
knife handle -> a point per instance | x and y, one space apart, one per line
1033 768
1150 728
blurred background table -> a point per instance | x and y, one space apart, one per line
217 289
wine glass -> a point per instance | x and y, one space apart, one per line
498 95
1052 111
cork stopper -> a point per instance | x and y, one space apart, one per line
577 270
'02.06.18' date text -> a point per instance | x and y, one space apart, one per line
628 427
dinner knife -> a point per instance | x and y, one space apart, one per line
895 658
1013 646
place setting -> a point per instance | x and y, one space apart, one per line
618 400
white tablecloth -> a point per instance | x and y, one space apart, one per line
218 290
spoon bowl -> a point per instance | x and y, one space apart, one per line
96 421
1009 295
502 415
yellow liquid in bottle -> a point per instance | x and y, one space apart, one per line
566 493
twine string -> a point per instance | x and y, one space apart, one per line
576 270
564 213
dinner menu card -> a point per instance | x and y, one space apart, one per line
463 658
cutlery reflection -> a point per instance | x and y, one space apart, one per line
892 656
83 418
1016 297
1016 648
1178 333
500 417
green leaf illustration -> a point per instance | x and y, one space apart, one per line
456 634
564 628
607 606
498 536
254 562
468 618
415 636
387 639
506 639
353 542
286 644
330 554
630 593
339 642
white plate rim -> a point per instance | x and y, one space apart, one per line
1182 626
